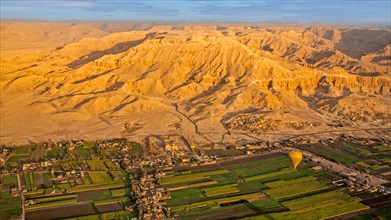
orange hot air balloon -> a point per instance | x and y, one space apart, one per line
296 158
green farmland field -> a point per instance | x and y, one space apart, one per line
71 165
22 149
352 148
84 152
55 198
56 152
9 205
373 167
53 203
100 177
18 158
268 190
363 164
88 144
10 180
382 148
251 186
271 174
120 215
280 183
322 213
191 177
185 195
254 168
317 206
214 203
121 199
94 195
282 189
319 201
27 182
220 190
343 157
110 164
135 149
236 210
120 192
96 165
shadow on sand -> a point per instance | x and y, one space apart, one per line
116 49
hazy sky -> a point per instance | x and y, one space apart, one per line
300 11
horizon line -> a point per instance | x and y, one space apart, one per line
172 22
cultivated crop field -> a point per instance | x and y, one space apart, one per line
55 179
96 165
338 155
282 189
318 206
100 177
266 189
105 200
9 204
220 190
374 158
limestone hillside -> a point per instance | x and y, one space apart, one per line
202 81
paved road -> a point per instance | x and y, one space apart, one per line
175 105
187 117
21 194
253 135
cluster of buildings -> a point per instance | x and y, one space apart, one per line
258 124
36 166
115 143
167 143
355 184
356 116
73 177
147 194
302 125
364 141
4 152
338 124
255 124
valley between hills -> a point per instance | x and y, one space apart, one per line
211 83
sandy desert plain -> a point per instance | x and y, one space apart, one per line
93 115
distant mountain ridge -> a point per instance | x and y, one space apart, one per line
212 73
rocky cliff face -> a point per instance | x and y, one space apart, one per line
211 74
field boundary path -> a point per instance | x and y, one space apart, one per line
21 194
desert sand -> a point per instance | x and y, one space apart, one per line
87 80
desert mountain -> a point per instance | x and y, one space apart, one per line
20 37
211 83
